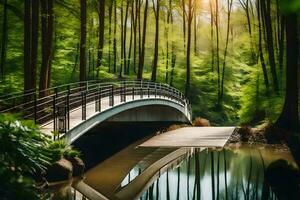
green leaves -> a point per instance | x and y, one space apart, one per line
290 6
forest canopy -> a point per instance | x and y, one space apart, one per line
236 60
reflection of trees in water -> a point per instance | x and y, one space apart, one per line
229 175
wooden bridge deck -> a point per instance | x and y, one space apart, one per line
191 137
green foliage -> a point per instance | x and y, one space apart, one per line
25 153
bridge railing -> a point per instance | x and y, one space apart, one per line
55 104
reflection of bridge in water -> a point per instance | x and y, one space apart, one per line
129 173
71 110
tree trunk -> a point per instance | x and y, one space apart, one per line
212 36
82 73
130 40
125 36
109 35
269 33
101 15
4 40
183 22
135 35
47 36
260 49
289 118
122 39
28 85
34 39
115 37
188 50
229 9
142 54
218 56
195 27
155 59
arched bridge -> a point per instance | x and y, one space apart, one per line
73 109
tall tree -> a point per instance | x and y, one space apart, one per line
142 53
47 37
289 117
3 40
156 9
217 48
266 8
229 9
110 8
188 50
115 37
34 38
82 73
260 49
101 17
195 26
122 39
212 35
125 36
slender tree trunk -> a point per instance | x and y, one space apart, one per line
130 40
266 6
28 71
47 37
183 22
173 61
167 45
122 39
218 55
195 27
188 50
155 59
142 54
109 34
101 16
34 39
260 49
3 40
125 35
212 36
229 8
289 117
135 35
82 68
115 37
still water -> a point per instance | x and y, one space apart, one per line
234 172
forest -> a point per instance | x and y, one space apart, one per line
236 60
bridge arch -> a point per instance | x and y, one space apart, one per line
141 110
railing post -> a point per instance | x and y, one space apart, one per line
68 107
148 91
141 89
155 90
111 98
35 108
124 91
133 92
54 110
98 100
83 105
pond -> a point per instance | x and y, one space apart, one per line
131 172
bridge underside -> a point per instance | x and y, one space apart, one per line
151 113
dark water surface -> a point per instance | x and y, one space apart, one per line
118 169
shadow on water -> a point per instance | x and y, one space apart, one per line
110 137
